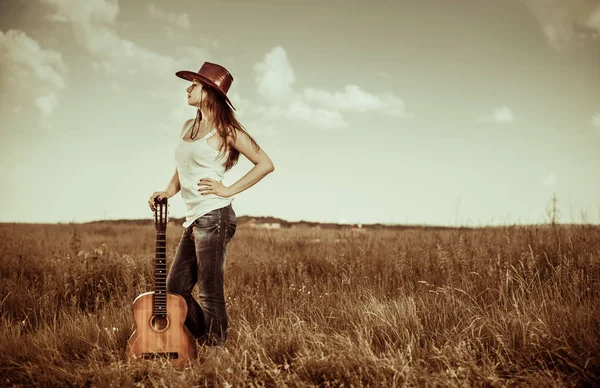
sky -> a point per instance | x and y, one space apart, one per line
428 112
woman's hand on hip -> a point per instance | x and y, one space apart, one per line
212 186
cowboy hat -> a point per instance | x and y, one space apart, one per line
215 76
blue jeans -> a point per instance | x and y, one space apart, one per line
200 257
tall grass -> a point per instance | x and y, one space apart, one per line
461 307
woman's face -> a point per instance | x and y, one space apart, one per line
194 91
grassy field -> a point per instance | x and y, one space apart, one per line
482 307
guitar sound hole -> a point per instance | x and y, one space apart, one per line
159 322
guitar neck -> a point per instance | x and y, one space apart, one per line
160 275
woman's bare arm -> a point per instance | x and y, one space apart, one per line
262 164
173 187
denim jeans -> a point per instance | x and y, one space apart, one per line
201 255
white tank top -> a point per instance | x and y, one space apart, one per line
197 160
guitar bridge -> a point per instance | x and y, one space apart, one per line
154 355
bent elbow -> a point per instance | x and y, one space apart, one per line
267 165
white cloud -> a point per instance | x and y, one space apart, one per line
241 104
565 22
321 108
596 120
47 103
261 128
30 67
352 98
501 115
320 117
549 180
274 75
593 20
105 66
299 110
272 112
197 56
394 106
181 20
23 57
86 13
327 119
93 24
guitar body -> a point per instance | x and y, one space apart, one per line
155 337
160 315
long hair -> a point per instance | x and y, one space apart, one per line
225 122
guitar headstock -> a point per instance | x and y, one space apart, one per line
161 217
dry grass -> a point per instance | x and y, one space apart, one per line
487 307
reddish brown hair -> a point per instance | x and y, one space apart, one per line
226 123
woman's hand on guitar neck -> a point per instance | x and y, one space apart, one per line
157 195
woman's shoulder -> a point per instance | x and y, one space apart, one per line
187 122
185 125
232 136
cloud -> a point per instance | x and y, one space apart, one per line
105 66
260 128
25 64
326 119
501 115
47 104
274 75
320 117
86 13
549 180
241 104
275 82
272 112
394 106
565 22
593 20
181 20
298 110
596 120
353 98
93 24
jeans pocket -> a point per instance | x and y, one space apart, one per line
232 218
208 220
231 223
231 230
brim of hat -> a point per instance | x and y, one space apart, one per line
190 75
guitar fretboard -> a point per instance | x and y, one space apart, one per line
160 275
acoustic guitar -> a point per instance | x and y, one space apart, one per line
160 315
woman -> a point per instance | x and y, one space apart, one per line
209 148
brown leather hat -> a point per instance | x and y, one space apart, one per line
213 75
